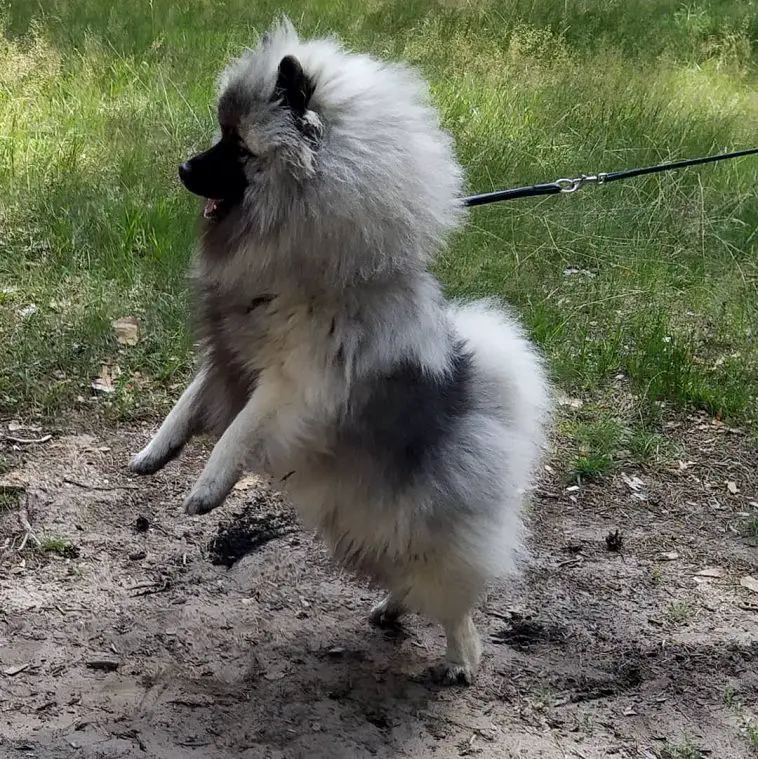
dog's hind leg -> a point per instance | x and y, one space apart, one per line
464 651
184 421
449 593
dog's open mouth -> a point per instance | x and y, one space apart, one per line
213 208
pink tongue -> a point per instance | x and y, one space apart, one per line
210 207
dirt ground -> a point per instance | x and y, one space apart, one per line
144 634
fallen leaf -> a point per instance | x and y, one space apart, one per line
28 310
126 329
668 556
104 383
731 486
750 583
711 572
247 482
566 401
634 482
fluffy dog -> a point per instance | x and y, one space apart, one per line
404 428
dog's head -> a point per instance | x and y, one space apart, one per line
265 128
333 160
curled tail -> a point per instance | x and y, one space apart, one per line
513 375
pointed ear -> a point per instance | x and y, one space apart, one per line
293 87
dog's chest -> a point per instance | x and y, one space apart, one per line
267 333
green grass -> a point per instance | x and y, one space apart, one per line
752 737
101 100
598 443
8 499
601 439
57 545
730 697
750 525
680 611
683 749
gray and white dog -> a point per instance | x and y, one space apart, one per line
404 428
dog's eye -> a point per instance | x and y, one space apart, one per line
242 150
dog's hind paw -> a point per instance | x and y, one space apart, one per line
450 673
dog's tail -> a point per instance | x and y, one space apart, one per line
510 368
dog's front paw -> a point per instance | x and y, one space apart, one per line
203 498
146 462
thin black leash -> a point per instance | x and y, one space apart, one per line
572 185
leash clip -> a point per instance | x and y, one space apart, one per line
572 185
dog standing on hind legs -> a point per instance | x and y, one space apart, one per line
405 427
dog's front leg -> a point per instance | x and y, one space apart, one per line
240 445
178 427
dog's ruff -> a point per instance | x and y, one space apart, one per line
405 428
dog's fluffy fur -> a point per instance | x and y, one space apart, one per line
404 428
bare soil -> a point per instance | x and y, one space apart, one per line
152 634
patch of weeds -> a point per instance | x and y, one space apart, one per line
750 526
684 749
730 697
647 445
8 499
656 576
680 611
597 444
752 736
59 546
545 696
586 725
590 466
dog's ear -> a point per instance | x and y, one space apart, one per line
293 87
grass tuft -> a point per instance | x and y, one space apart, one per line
59 546
680 611
683 749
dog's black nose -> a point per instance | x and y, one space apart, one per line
184 171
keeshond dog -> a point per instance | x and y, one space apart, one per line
405 428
